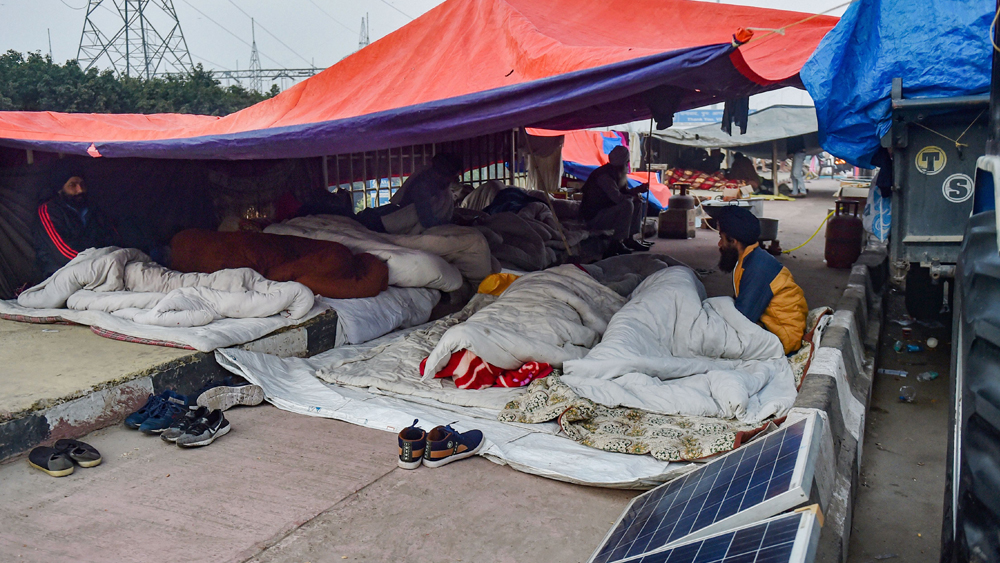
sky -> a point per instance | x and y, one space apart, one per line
289 33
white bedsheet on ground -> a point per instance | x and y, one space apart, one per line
290 384
672 351
364 319
550 316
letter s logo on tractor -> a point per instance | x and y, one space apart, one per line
931 160
957 188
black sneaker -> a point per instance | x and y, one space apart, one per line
181 425
205 430
632 244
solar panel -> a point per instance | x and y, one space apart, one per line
789 538
765 477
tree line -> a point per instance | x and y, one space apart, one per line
35 83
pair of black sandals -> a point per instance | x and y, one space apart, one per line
61 459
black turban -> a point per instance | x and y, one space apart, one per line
739 224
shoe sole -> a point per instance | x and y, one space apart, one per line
410 464
224 398
456 457
222 432
93 463
59 473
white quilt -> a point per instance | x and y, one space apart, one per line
363 319
436 258
551 316
127 284
672 351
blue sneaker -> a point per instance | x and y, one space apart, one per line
445 445
174 406
136 419
412 441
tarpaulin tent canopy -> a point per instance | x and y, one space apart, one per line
939 48
793 127
469 67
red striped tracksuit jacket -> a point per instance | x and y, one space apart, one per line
61 231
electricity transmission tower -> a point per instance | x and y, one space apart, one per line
256 84
136 37
363 40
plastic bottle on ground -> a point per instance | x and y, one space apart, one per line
907 394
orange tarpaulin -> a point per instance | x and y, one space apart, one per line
469 67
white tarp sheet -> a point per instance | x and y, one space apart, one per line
290 384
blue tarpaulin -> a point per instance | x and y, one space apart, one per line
940 48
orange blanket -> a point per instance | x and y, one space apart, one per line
328 268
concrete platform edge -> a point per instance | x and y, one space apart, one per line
839 382
109 403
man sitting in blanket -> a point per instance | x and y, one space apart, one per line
66 225
424 200
766 293
609 204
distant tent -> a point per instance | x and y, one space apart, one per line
791 127
472 67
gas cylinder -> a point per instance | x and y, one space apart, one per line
678 219
681 200
844 235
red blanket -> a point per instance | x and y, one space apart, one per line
469 371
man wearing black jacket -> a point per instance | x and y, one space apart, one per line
66 225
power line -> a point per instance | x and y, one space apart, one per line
271 34
240 39
342 24
397 9
71 7
216 65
